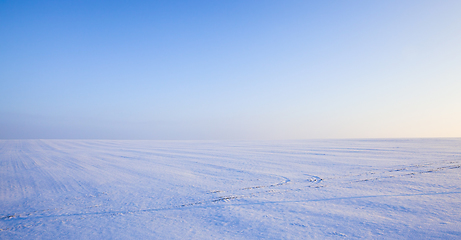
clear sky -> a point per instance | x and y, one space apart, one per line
230 69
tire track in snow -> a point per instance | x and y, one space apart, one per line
234 196
185 206
400 171
61 160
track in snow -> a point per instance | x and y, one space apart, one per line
59 182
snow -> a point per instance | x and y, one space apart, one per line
322 189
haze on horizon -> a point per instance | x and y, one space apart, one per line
230 70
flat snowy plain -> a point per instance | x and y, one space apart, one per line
323 189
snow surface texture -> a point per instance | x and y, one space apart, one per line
328 189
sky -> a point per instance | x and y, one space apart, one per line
218 70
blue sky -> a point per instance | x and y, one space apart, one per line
230 69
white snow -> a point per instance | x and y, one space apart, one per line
323 189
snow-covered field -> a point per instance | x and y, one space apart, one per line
323 189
